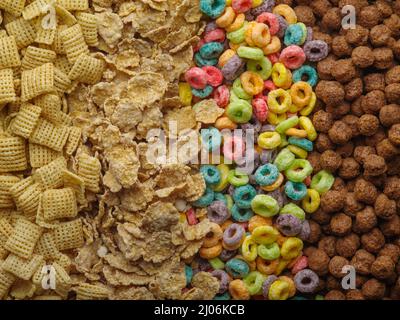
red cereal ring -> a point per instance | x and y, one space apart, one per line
191 217
196 77
221 96
260 109
268 86
216 35
300 264
198 45
307 181
292 57
274 58
241 6
213 75
270 20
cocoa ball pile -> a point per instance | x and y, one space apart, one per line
358 121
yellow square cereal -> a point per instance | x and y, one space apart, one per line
9 56
74 43
37 81
23 32
7 90
46 134
40 155
26 120
35 57
12 154
87 69
58 204
13 7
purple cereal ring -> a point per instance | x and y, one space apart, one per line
267 156
226 255
201 265
218 212
232 68
249 16
305 231
306 281
233 235
231 190
288 224
282 26
210 26
223 278
266 6
267 127
316 50
267 284
310 33
279 197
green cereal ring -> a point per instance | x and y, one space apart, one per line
322 181
239 111
262 67
237 179
229 201
250 53
264 205
217 263
254 281
239 91
294 210
269 251
284 159
287 124
237 36
294 174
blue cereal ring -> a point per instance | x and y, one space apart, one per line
301 143
237 268
267 174
188 274
201 62
241 215
210 174
218 196
206 199
211 50
295 190
202 93
211 138
212 8
243 196
306 71
224 296
294 34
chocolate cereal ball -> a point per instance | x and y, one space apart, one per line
313 158
365 191
368 124
330 92
389 114
391 227
383 58
324 67
339 110
322 121
373 101
340 224
344 70
323 143
353 89
357 36
354 295
332 19
394 134
384 207
330 160
318 261
356 106
320 7
374 81
305 15
373 241
365 220
340 47
335 295
369 17
345 150
382 268
362 261
362 57
340 132
332 201
392 93
321 217
351 205
390 250
386 149
379 35
393 75
336 265
328 245
393 23
347 246
352 121
332 283
373 140
374 165
361 153
373 289
384 7
349 168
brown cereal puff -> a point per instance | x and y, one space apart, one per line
323 37
330 160
320 7
356 107
368 124
323 143
373 140
352 121
392 93
373 241
353 89
305 15
335 295
340 132
382 268
393 23
332 283
321 217
384 207
361 152
324 68
379 35
357 36
313 158
339 110
351 205
336 265
393 165
315 232
373 289
339 185
322 121
383 58
393 75
349 168
318 261
386 149
373 101
309 250
365 191
344 70
340 224
395 46
354 295
357 4
369 17
389 114
384 7
363 57
345 150
365 220
374 81
390 250
391 228
332 201
362 261
394 134
327 244
374 165
332 19
347 246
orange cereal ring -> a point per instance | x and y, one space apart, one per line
249 33
225 123
273 46
292 286
257 220
212 252
252 82
227 18
301 93
238 290
213 237
237 23
260 35
281 239
225 56
267 267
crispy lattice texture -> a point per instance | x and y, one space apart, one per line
7 89
23 32
26 119
49 135
35 57
12 154
37 81
89 169
74 43
86 291
9 56
50 175
58 204
20 267
6 182
69 235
